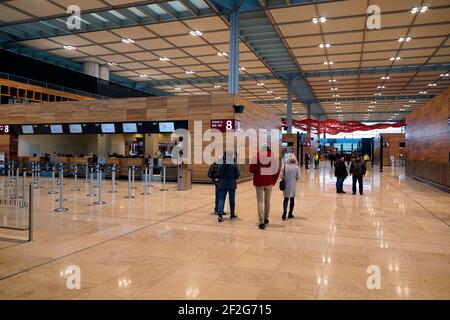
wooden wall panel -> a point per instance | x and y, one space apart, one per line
4 144
428 141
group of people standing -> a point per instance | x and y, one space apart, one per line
266 171
356 168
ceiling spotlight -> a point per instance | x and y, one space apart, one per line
404 39
277 98
423 92
412 101
418 9
371 106
335 95
377 94
332 80
337 103
432 84
381 87
128 41
385 78
242 69
222 54
177 89
195 33
328 62
269 91
319 19
70 48
217 86
334 89
394 58
164 59
401 109
324 45
260 84
112 64
444 74
406 105
143 75
190 72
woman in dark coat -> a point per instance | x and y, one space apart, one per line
228 175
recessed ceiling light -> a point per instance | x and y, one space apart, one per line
318 19
335 95
332 80
444 75
401 109
195 33
217 86
128 40
423 92
406 105
143 75
337 103
260 83
324 45
269 91
164 59
432 84
113 64
404 39
412 101
190 72
385 78
334 89
381 87
394 58
222 54
242 69
70 48
377 94
328 62
177 89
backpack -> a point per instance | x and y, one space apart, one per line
213 172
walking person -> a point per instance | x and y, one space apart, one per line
316 160
357 170
228 175
213 174
290 174
332 158
340 172
265 174
307 158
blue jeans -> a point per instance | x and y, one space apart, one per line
231 198
340 184
216 205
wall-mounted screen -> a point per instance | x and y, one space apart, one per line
166 127
108 128
27 129
129 127
56 128
75 128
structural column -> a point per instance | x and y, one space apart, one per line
233 66
91 68
289 107
308 115
104 72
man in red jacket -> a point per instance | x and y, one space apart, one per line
265 169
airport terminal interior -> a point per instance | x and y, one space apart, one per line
225 150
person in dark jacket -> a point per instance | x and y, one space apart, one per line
307 160
213 174
340 172
228 175
357 170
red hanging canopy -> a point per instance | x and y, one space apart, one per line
332 126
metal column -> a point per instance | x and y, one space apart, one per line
233 65
289 107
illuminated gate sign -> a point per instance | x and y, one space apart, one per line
224 125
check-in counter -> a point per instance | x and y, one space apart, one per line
78 159
62 159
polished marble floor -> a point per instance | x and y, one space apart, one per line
169 245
